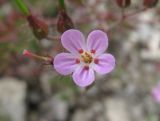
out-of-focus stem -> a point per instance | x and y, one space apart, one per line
24 9
62 4
135 13
49 37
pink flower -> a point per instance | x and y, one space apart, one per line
156 93
85 57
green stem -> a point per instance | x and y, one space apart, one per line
24 9
61 4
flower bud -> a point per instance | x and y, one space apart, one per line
64 22
123 3
29 54
150 3
39 27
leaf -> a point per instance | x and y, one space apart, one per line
24 9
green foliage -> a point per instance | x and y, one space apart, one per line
152 118
24 9
34 46
65 87
62 4
4 56
118 71
63 82
4 118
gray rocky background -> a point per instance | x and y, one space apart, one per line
32 92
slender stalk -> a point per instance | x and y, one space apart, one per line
62 4
135 13
35 56
24 9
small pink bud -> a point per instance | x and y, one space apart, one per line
150 3
39 27
123 3
26 52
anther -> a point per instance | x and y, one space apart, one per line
93 51
81 51
86 67
77 61
96 61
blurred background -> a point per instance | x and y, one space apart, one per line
31 90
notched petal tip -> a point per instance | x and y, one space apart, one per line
97 40
73 40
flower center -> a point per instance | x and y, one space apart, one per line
86 57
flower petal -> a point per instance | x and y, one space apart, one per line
73 40
97 40
83 77
65 63
106 63
156 93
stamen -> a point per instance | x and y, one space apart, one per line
81 51
93 51
77 61
86 67
86 57
96 61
